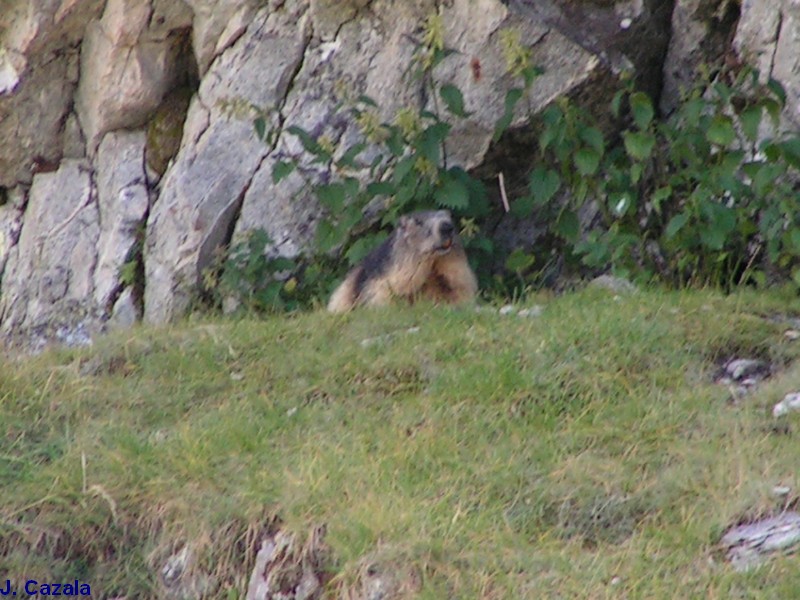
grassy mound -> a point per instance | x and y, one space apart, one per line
585 453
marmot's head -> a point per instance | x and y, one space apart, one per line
428 231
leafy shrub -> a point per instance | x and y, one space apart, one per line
706 196
394 168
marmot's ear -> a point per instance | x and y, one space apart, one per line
406 225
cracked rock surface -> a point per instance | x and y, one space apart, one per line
82 81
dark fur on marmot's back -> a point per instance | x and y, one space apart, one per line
422 258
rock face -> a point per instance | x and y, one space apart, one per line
202 193
81 81
49 276
768 36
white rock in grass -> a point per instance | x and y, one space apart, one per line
507 309
747 368
790 402
748 543
533 311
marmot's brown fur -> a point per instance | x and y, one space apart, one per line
423 258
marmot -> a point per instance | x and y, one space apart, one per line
422 258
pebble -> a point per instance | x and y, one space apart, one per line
507 309
790 402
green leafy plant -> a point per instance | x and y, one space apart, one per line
395 167
702 196
251 277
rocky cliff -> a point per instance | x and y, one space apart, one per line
122 173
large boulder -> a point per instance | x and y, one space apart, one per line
123 202
39 70
48 279
202 192
127 67
768 37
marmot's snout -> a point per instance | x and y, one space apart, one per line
446 234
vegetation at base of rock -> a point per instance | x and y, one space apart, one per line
583 453
707 195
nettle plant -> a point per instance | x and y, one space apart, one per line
396 167
707 196
409 168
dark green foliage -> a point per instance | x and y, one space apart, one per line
693 198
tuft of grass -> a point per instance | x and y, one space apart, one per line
584 453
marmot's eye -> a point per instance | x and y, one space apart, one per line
418 222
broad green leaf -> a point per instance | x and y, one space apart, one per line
723 92
395 142
523 207
361 247
550 132
281 263
794 240
431 140
544 183
328 237
348 158
636 172
692 111
512 97
451 193
721 131
675 224
771 150
270 295
639 145
642 109
454 99
260 126
773 108
713 238
587 161
659 196
723 218
750 119
351 186
380 188
778 90
281 169
568 225
331 196
402 169
593 137
308 142
791 151
519 260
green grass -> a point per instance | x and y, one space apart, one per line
585 453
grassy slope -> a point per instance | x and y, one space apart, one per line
499 456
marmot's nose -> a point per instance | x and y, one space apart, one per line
446 228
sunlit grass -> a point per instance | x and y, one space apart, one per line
583 453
